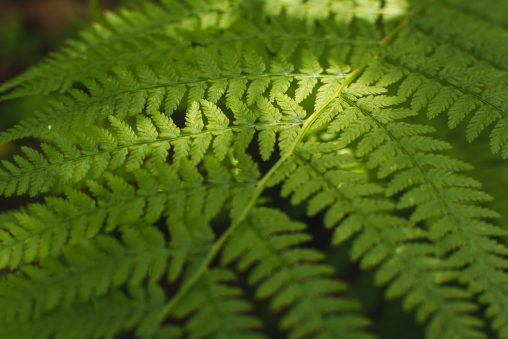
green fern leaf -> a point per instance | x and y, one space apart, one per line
217 168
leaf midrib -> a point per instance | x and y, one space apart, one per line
262 184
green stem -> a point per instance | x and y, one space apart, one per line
261 185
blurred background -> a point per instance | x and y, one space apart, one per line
29 31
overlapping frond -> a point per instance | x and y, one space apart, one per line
104 316
457 69
448 202
293 277
43 230
218 309
234 66
87 271
120 145
130 93
170 29
153 29
328 178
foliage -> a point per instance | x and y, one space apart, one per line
175 134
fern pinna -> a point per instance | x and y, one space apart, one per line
176 136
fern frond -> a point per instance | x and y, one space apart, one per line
109 43
336 183
216 309
100 317
87 271
175 130
470 88
444 199
293 278
171 29
119 145
131 93
207 71
43 230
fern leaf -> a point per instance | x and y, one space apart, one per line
120 145
171 133
102 316
116 34
88 271
334 182
217 310
446 207
44 230
293 278
469 87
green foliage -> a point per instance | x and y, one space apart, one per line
195 161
